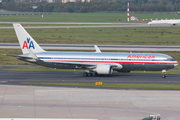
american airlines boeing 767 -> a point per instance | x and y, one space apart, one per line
92 62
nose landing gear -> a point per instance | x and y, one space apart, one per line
164 73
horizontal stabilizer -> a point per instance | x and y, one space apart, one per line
18 56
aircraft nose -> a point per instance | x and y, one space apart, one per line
175 65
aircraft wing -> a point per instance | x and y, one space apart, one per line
79 65
36 60
83 65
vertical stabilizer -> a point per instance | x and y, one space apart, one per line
25 40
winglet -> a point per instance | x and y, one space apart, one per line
97 49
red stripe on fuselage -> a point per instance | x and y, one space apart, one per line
139 62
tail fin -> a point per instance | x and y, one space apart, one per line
25 40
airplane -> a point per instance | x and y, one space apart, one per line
172 22
98 63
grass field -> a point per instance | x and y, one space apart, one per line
7 60
84 17
78 24
114 36
113 85
106 36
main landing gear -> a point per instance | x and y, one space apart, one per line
164 73
87 74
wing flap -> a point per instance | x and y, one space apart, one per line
71 63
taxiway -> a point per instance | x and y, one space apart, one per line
19 101
102 47
16 77
85 25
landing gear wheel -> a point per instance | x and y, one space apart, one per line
164 75
96 74
85 74
90 74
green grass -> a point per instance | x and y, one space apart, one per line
113 85
106 36
79 24
8 60
84 17
1 67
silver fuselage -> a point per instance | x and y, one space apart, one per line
129 61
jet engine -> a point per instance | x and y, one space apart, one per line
103 69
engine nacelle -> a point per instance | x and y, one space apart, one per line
103 69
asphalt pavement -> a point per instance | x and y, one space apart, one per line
89 25
16 77
102 47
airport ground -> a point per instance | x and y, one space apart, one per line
32 101
101 104
37 101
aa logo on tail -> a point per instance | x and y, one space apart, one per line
28 44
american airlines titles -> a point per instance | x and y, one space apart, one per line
141 56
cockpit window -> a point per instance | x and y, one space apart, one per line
170 59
